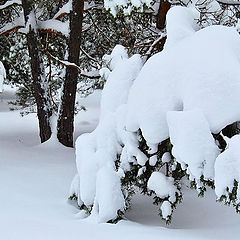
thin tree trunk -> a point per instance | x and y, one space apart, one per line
65 125
40 85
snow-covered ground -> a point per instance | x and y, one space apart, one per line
35 181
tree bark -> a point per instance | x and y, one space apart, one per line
40 85
65 125
161 15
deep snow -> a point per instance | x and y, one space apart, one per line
34 184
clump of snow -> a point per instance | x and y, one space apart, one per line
227 169
109 198
99 182
163 186
193 144
126 5
210 83
116 88
166 209
181 23
166 157
118 54
153 160
2 76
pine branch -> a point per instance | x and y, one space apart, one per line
90 75
229 2
88 56
64 10
10 3
15 25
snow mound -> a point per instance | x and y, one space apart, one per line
181 23
199 72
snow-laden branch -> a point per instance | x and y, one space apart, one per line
64 10
87 55
91 75
10 3
54 26
64 62
12 26
229 2
155 43
49 26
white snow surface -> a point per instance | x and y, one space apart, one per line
34 183
34 179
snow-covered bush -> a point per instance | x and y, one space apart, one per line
2 76
227 174
158 123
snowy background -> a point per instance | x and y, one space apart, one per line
35 180
190 97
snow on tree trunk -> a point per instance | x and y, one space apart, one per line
39 81
65 122
2 76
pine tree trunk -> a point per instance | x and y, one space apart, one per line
65 125
161 15
40 85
